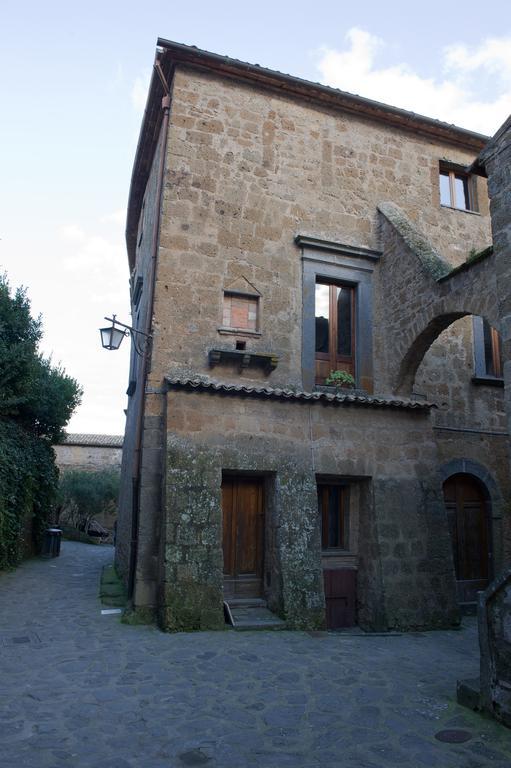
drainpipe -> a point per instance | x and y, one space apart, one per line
139 425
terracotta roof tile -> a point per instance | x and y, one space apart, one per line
326 398
104 441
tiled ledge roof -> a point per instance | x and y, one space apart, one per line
269 393
103 441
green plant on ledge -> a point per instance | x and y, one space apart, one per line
340 379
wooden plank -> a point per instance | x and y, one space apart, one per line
340 597
243 536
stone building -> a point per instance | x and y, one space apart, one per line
89 452
279 230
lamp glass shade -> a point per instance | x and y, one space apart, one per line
111 337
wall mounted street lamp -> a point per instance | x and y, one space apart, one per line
112 336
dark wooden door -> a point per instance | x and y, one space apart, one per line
243 536
470 535
340 597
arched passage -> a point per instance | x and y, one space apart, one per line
417 350
433 294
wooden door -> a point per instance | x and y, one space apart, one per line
470 535
243 536
340 597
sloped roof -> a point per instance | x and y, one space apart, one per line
269 393
103 441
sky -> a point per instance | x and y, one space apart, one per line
73 84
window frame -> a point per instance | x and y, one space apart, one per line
235 329
481 371
454 171
339 263
344 515
336 360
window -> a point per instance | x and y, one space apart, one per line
140 233
137 291
457 189
240 312
487 352
333 508
335 329
492 355
328 263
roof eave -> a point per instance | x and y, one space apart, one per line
318 92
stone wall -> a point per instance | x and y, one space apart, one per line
460 401
496 158
405 566
149 530
495 643
88 457
247 170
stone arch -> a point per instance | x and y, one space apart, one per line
494 502
489 485
432 295
418 348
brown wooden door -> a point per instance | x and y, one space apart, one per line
340 597
470 535
243 536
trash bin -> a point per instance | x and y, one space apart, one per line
51 542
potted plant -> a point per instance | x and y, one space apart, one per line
340 380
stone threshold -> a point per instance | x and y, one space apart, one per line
251 614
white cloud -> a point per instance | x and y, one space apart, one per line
116 217
72 232
139 91
457 97
492 55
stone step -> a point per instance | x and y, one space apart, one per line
255 617
246 602
468 609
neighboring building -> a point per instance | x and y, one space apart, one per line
279 230
89 452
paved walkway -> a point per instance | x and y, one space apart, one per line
80 689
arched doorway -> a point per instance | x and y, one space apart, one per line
469 527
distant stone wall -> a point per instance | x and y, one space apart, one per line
87 457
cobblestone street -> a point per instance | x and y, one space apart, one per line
80 689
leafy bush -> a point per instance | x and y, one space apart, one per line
28 488
36 401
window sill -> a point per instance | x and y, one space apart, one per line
461 210
489 381
342 390
226 331
336 552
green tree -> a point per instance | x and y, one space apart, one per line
36 401
34 393
84 495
